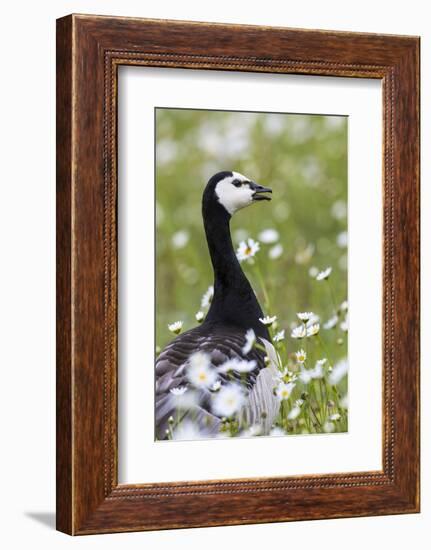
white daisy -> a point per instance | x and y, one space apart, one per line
199 316
207 297
328 427
305 376
228 400
305 316
331 323
250 339
281 373
339 210
313 319
199 372
275 252
338 372
167 150
252 431
317 372
301 356
274 124
283 390
299 332
180 239
279 336
324 275
268 321
176 327
247 249
344 401
269 236
186 431
238 365
335 416
313 271
294 412
344 325
180 390
342 239
344 306
285 375
313 330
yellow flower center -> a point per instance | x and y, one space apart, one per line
247 251
202 377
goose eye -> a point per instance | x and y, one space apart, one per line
237 183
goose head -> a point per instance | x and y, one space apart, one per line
234 191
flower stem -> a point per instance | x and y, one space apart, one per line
263 287
331 292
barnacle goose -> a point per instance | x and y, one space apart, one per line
234 310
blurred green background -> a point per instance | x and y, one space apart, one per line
303 158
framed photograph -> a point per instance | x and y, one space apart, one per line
237 274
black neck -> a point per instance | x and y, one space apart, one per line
234 301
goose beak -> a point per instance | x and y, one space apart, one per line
258 190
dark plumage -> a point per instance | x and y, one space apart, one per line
234 309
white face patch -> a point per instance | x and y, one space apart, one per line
231 197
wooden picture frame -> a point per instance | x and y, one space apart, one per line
89 51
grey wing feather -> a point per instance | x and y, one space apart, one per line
261 399
221 344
